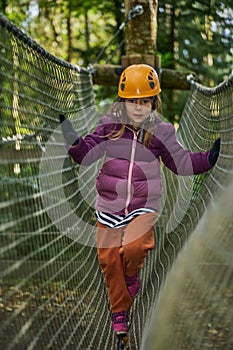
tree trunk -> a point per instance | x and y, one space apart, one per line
140 33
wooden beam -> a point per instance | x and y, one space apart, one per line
108 75
175 80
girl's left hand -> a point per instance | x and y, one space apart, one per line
214 152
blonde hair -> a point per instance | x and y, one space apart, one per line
118 112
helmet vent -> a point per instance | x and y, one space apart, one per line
150 77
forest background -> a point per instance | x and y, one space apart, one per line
195 36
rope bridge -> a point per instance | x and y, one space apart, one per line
52 291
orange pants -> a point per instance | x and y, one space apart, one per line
121 252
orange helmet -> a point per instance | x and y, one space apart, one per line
137 81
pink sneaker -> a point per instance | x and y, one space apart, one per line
133 284
120 322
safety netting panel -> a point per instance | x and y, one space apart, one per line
51 288
193 268
52 291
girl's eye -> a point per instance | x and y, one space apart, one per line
146 101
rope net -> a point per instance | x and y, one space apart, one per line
53 294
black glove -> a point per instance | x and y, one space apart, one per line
68 131
214 152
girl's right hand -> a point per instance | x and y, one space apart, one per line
68 131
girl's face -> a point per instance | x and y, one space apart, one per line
138 109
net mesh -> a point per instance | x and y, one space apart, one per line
193 308
52 291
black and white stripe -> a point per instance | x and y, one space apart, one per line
116 221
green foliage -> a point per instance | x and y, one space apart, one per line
192 35
198 34
70 29
166 59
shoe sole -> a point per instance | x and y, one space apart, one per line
122 341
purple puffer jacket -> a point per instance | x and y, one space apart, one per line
130 176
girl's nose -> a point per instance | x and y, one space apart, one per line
138 103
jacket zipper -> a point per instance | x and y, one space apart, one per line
130 172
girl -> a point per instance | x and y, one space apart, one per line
132 139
